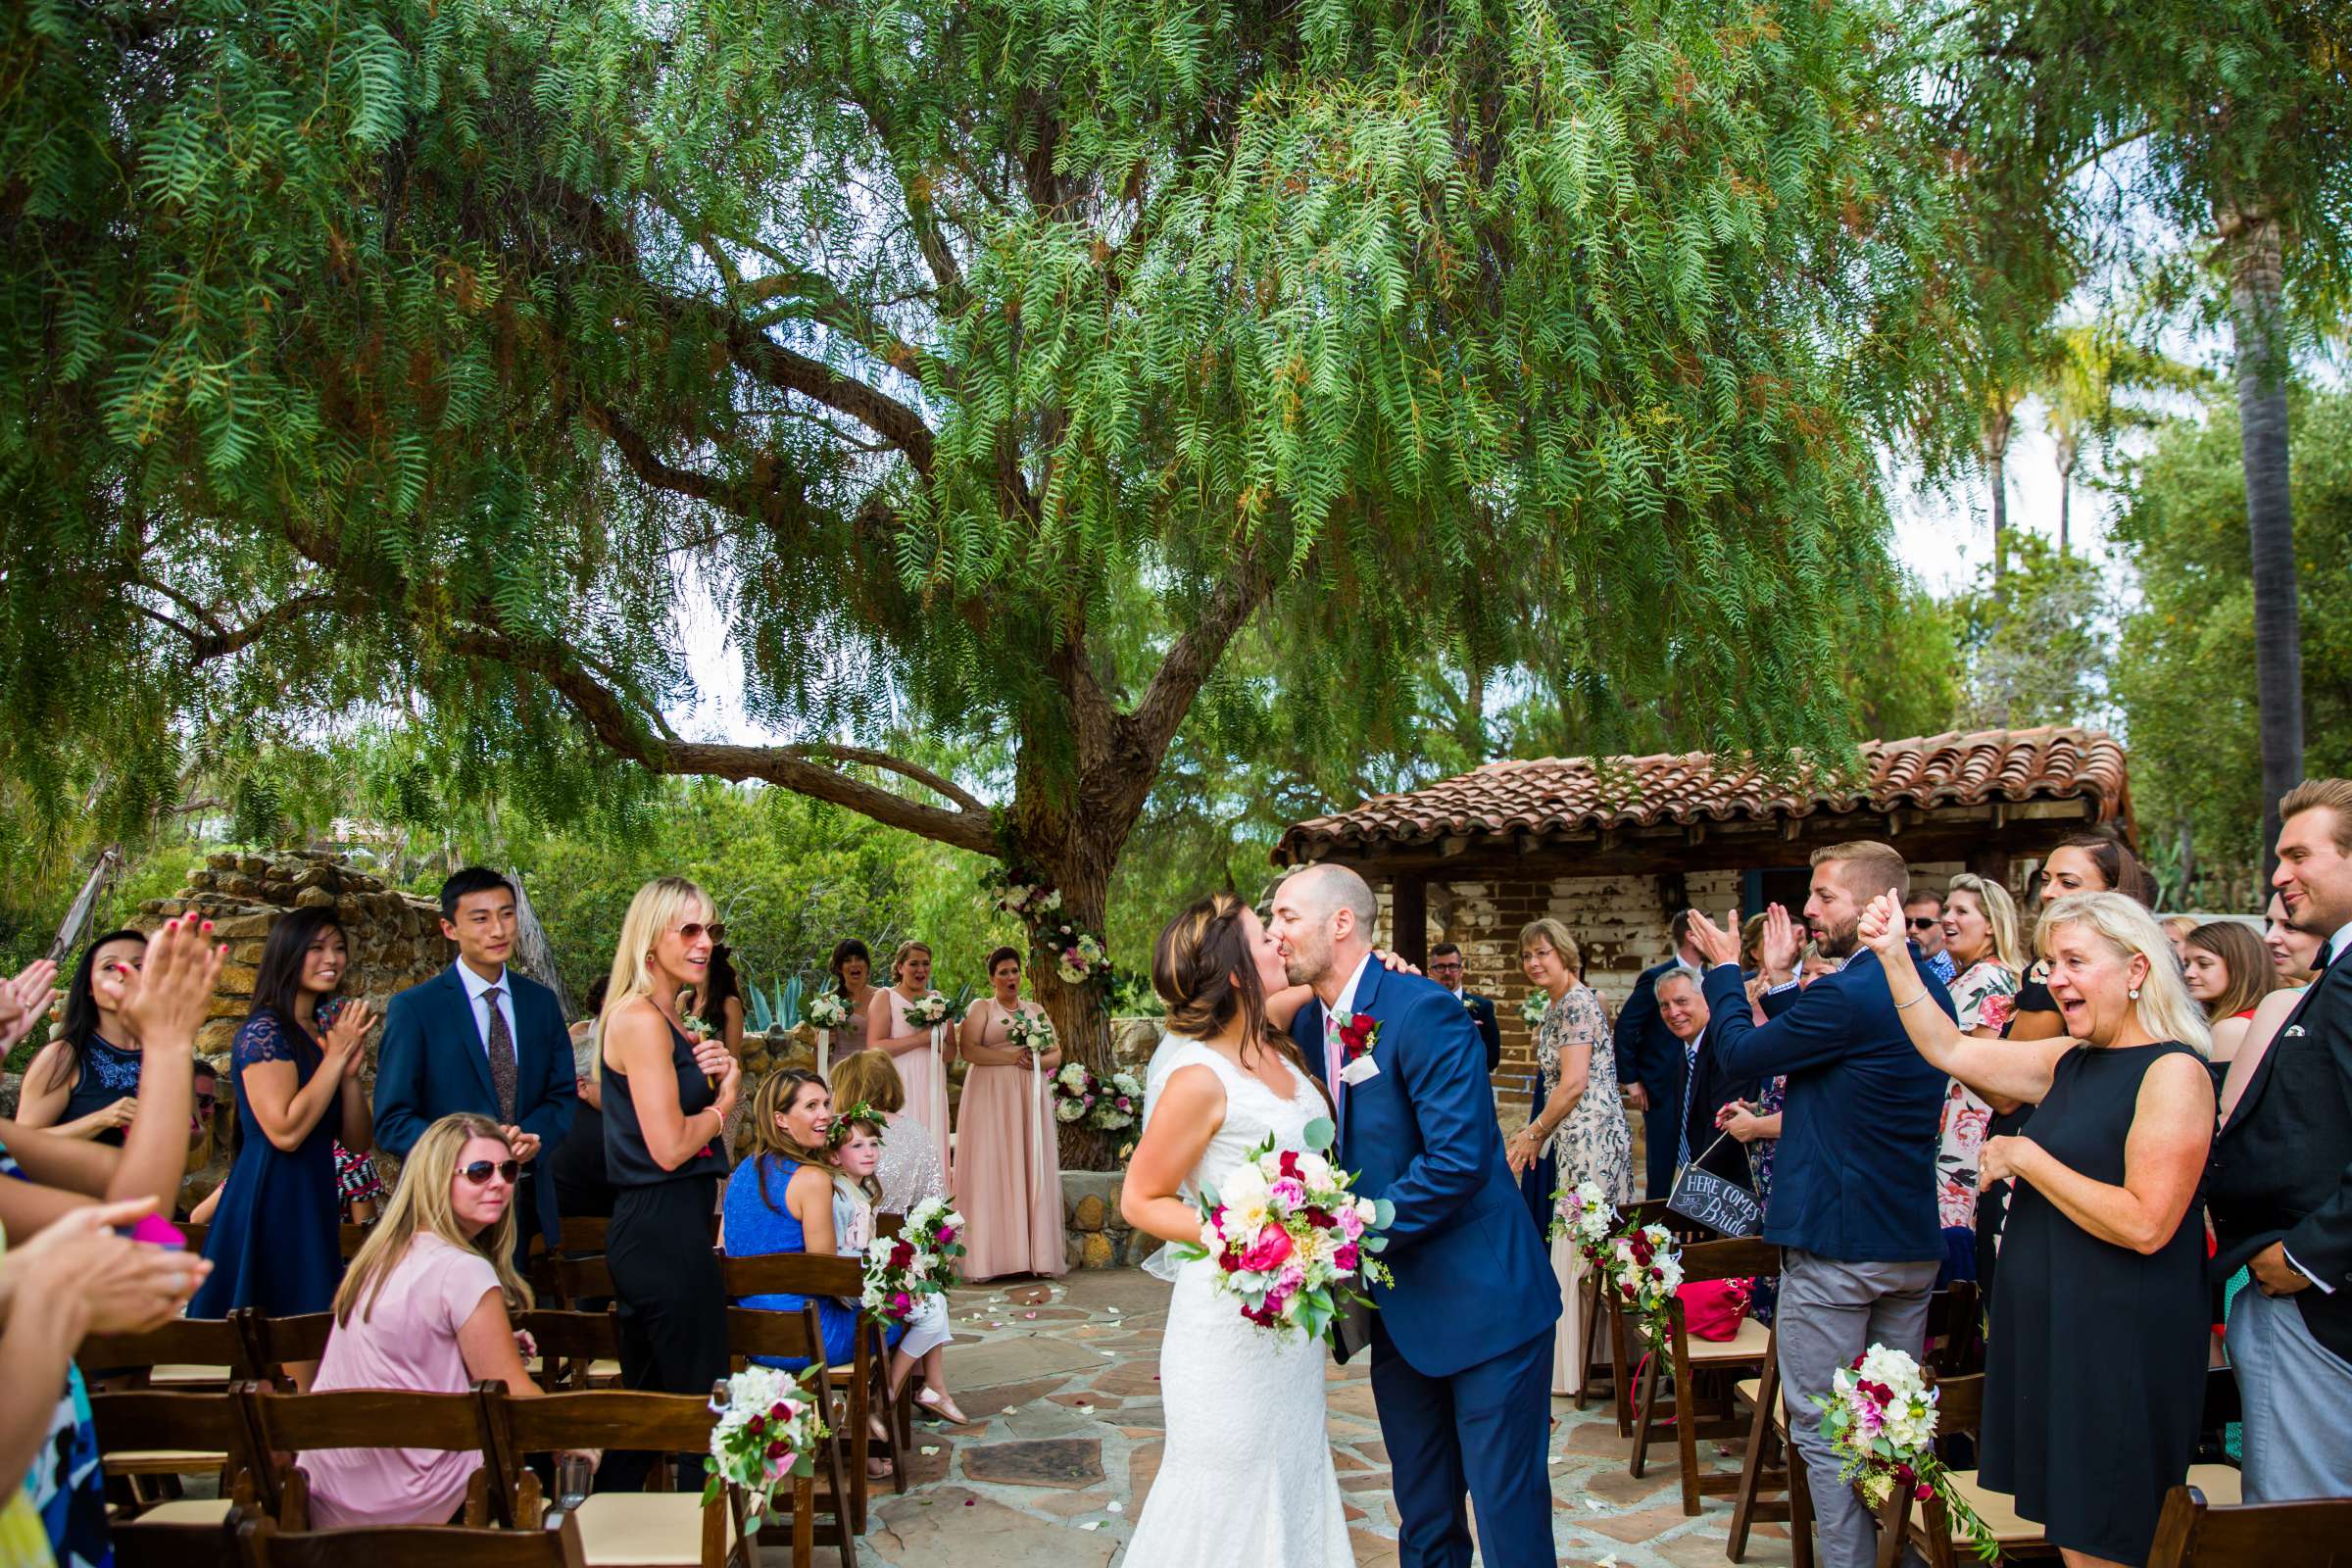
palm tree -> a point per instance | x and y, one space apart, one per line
2093 369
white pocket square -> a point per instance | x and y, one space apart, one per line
2295 1033
1363 1069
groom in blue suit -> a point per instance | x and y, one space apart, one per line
1462 1342
483 1038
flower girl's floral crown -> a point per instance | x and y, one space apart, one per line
839 1133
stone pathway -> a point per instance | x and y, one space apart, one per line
1061 1382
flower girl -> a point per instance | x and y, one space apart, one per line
857 1137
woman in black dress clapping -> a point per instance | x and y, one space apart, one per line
666 1102
2101 1320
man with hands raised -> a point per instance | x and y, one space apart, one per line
1853 1190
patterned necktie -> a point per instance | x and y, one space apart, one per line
1681 1137
502 1058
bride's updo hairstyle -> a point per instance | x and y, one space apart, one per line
1204 971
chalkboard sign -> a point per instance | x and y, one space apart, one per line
1723 1206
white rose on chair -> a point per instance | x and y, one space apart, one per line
767 1430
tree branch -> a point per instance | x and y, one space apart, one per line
625 732
1195 655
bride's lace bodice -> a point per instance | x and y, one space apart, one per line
1252 1110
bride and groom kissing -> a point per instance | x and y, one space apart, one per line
1272 1027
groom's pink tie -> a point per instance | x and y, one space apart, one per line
1332 1060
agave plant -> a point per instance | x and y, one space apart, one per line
780 1015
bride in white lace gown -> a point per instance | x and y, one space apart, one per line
1246 1475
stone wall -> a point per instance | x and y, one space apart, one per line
395 939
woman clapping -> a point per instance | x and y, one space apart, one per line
2097 1369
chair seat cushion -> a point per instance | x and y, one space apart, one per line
1748 1344
1998 1509
650 1528
1751 1390
186 1511
606 1371
179 1373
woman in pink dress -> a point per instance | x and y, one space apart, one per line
427 1307
1008 1169
921 1052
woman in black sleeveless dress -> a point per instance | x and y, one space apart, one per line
666 1103
2096 1372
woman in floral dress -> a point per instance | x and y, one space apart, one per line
1981 933
1577 1131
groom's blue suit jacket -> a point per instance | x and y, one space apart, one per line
1473 1279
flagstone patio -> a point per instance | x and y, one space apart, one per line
1061 1381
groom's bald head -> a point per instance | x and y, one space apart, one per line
1323 918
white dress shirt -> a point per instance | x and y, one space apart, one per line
477 988
1341 1009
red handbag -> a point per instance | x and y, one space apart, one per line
1712 1308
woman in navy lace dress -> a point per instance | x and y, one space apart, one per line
273 1242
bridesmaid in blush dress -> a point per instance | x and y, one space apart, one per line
920 1053
1008 1168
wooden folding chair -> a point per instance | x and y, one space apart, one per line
351 1238
146 1432
287 1426
212 1542
1749 1347
575 1349
188 1355
574 1238
840 1485
1960 1407
2194 1532
272 1344
864 1379
1616 1362
623 1529
581 1280
553 1542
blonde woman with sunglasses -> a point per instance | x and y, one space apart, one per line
427 1306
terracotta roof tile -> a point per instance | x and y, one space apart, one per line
1582 794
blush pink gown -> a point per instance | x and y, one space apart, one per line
1008 1168
924 1072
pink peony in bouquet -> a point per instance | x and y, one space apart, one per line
1290 1240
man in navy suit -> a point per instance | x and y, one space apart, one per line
1854 1181
479 1037
1446 968
1649 1062
1461 1343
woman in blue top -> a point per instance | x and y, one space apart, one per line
275 1242
85 1083
781 1198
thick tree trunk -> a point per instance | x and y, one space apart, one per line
2255 268
1077 851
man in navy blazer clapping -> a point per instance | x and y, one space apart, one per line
1853 1184
479 1037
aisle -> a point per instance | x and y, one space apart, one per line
1060 1381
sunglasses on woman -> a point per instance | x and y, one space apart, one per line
694 930
480 1172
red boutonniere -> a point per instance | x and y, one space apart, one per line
1358 1035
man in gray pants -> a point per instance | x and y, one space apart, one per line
1853 1180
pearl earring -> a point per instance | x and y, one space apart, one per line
2135 992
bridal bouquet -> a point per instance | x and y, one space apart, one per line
1032 1032
1291 1242
828 1011
1881 1419
1645 1267
768 1428
1586 1216
927 1012
1533 1010
919 1262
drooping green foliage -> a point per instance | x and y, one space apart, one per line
982 367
